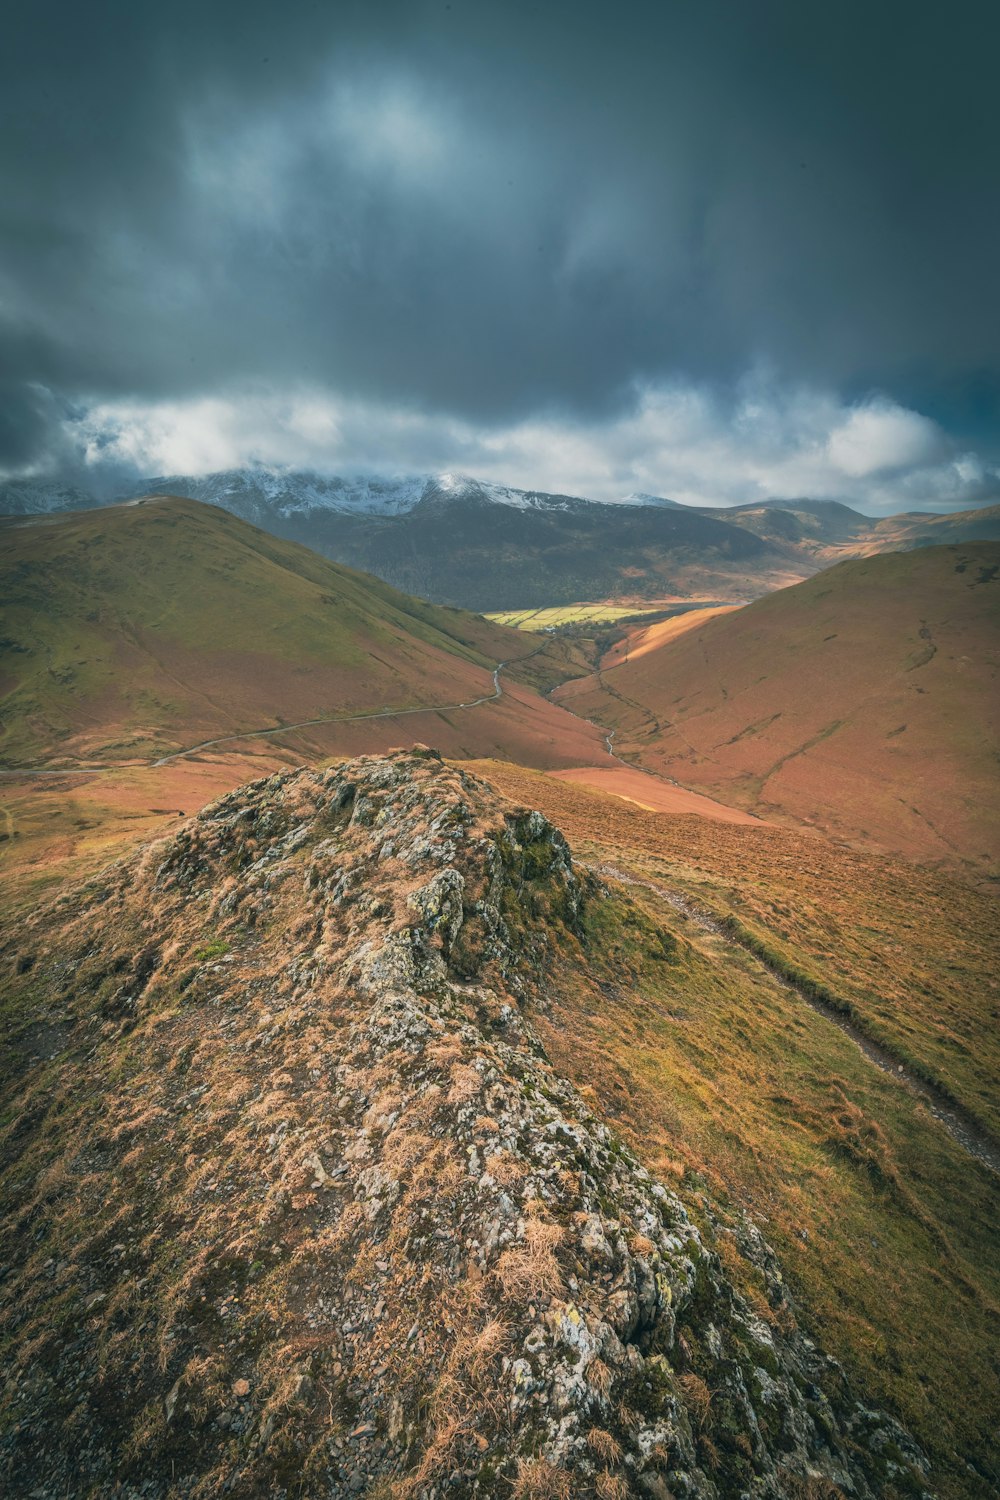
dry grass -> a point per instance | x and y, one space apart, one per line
504 1168
605 1448
599 1376
477 1351
809 1486
466 1083
612 1487
696 1396
537 1479
531 1269
464 1402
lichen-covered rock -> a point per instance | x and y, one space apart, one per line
304 1208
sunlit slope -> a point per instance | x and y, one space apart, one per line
863 700
135 630
713 1066
916 530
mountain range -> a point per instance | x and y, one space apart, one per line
489 547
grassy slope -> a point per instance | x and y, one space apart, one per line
863 700
133 630
913 529
912 951
717 1072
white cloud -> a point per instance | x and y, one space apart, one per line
684 442
880 437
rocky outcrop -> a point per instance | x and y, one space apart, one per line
300 1206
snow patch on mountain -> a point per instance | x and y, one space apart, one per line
258 491
288 492
40 497
639 498
464 487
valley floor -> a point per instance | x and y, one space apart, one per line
654 793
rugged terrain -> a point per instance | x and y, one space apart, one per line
230 1150
491 547
136 631
295 1201
864 701
784 1064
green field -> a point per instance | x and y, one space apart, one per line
568 614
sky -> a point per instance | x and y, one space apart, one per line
717 250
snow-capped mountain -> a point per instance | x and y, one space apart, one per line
258 491
289 492
285 492
454 539
39 497
638 498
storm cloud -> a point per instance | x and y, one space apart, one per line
501 236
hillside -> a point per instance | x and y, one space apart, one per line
134 631
296 1202
864 701
492 547
811 528
736 1072
900 533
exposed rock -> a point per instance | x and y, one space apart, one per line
366 1240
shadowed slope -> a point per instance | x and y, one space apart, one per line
863 700
459 540
916 530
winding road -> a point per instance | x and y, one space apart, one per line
269 732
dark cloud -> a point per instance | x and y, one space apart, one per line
490 210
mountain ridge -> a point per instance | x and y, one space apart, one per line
402 1249
484 546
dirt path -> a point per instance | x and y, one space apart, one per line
271 730
378 713
961 1125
